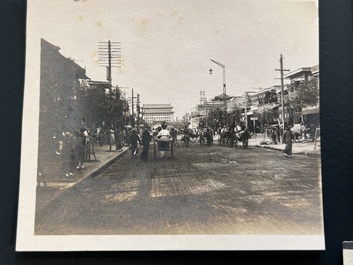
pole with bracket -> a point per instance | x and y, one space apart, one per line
282 87
224 89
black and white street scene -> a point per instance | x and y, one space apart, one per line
177 118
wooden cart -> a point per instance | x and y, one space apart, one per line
162 145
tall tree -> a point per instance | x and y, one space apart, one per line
307 92
268 117
102 105
215 118
234 116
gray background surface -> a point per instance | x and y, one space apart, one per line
336 84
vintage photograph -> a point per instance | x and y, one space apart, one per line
171 125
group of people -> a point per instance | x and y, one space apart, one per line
113 137
229 136
72 150
135 140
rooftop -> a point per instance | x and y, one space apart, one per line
157 106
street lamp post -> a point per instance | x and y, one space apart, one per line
224 88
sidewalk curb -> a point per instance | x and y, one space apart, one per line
90 174
306 153
103 166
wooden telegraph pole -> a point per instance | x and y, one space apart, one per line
282 87
138 111
108 57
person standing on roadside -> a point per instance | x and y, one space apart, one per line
146 140
119 141
186 137
303 131
134 142
287 139
68 154
81 143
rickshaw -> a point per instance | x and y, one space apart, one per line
162 145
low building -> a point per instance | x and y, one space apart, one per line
307 113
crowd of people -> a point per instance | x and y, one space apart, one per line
227 136
72 150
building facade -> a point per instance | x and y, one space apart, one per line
155 114
59 89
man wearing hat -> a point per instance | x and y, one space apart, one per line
146 139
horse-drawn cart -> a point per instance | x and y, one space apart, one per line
162 145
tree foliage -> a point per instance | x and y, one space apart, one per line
103 105
234 117
307 92
215 118
268 117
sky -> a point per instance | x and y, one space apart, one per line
166 45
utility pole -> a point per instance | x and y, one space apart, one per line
132 109
203 103
246 106
246 109
138 110
282 87
109 56
224 89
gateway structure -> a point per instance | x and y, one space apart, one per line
157 113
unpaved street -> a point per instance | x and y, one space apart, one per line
203 190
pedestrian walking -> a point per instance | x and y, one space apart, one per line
287 139
173 134
146 140
303 132
119 140
134 142
68 154
81 143
111 138
186 137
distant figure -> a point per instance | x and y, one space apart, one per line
173 134
81 143
68 154
111 138
303 131
119 140
208 136
287 139
186 137
146 139
134 141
